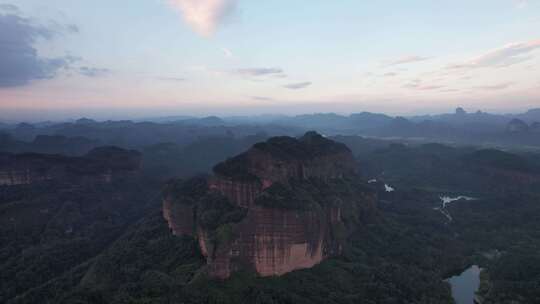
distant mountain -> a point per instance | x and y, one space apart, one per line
459 127
4 126
366 120
83 121
101 164
255 119
517 126
130 134
51 144
530 116
535 127
331 123
461 117
165 119
210 121
320 121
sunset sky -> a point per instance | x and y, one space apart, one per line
142 58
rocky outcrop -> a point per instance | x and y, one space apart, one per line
101 164
285 204
180 217
280 160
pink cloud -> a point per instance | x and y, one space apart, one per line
204 16
496 87
507 55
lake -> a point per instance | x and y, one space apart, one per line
465 285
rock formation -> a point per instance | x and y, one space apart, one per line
100 164
285 204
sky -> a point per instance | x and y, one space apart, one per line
143 58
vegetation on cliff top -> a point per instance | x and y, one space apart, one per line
214 210
98 161
187 192
306 147
285 148
236 168
313 194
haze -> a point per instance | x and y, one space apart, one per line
112 59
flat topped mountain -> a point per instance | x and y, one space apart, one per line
103 163
285 204
281 159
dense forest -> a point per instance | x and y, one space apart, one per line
93 242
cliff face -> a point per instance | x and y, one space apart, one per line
278 241
242 193
101 164
280 160
285 204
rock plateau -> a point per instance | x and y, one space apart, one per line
283 205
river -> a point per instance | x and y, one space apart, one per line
446 200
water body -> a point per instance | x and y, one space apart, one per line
465 285
388 188
448 200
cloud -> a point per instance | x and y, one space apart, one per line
507 55
257 72
417 84
93 72
261 98
204 16
72 28
429 87
521 3
20 62
227 53
389 74
406 59
174 79
298 86
450 90
280 75
496 87
8 7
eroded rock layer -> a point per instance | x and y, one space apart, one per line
285 204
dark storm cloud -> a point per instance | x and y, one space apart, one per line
20 62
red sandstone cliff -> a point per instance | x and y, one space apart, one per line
273 239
